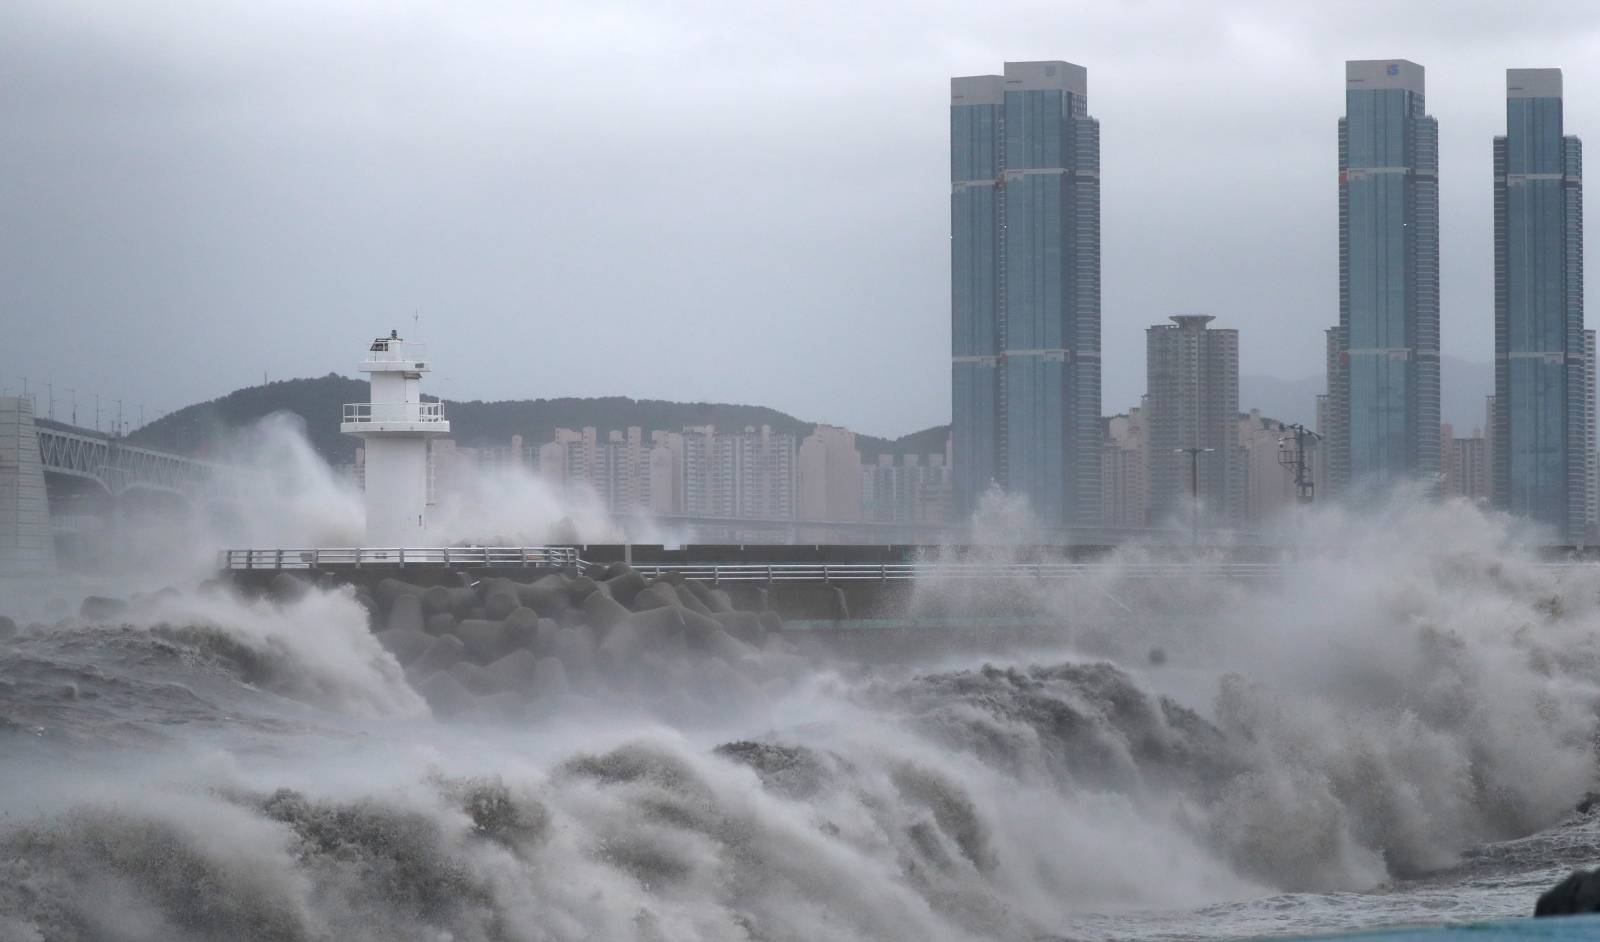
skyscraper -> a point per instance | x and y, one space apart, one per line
1591 458
1333 422
1388 420
1193 402
1025 289
1541 377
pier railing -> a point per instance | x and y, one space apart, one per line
931 570
525 557
467 557
481 557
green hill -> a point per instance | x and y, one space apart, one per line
204 428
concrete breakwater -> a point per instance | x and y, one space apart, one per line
503 647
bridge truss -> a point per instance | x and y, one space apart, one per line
119 467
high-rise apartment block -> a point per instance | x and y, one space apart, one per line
1321 462
1269 485
1591 458
27 544
914 490
1124 487
623 474
1466 465
748 474
1193 404
1384 381
1540 424
1333 417
829 475
1025 290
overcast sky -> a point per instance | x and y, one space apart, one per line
743 202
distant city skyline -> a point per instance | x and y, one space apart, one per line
172 190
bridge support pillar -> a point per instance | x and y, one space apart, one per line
26 542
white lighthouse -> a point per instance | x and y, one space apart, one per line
395 427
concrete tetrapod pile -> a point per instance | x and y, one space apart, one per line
502 647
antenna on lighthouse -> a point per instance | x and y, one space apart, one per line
394 428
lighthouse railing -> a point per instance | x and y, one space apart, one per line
387 350
358 413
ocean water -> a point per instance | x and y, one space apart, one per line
1393 738
1567 930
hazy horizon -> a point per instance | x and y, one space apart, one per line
1462 406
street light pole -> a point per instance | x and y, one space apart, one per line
1194 489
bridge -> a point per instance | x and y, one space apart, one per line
118 467
52 472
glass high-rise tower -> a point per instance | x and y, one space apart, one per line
1388 335
1025 290
1541 377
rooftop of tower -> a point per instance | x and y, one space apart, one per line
978 90
1384 73
1533 83
1020 77
1049 74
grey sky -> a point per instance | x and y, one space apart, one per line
744 202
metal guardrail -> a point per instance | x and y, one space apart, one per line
361 413
829 573
905 572
764 573
395 350
714 573
484 557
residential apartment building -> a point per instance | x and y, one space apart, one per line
1541 438
1385 378
1025 290
1193 401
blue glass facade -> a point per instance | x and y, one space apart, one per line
1025 282
1388 278
1541 377
976 119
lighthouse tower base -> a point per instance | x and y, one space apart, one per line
397 491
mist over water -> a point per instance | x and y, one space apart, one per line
1396 727
285 495
508 507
